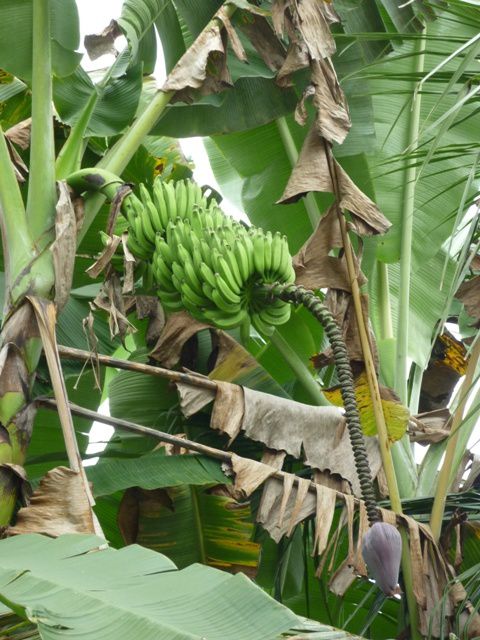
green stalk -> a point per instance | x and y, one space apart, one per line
70 157
42 189
304 376
292 154
408 199
17 244
454 448
122 152
384 303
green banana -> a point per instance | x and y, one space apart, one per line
259 252
160 203
218 317
226 292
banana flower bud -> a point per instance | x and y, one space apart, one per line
382 552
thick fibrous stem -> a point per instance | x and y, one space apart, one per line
300 295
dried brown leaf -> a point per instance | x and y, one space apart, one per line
261 35
416 561
342 579
227 414
363 526
127 518
249 475
129 275
311 173
64 246
102 43
325 509
202 66
193 399
300 498
469 294
269 511
332 121
233 38
340 303
312 18
288 482
232 361
20 133
59 506
432 426
314 267
286 425
123 190
150 307
117 306
274 458
19 167
297 58
180 327
103 261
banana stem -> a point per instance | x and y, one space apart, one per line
300 295
304 376
42 195
409 186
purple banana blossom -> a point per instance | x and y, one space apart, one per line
382 552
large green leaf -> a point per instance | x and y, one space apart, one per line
16 19
154 471
194 524
440 184
116 101
130 593
251 102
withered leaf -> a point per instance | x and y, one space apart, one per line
202 66
261 35
332 119
311 20
325 509
312 173
233 38
20 133
180 327
297 58
340 303
59 506
432 426
249 474
105 257
270 511
193 399
314 267
64 246
285 425
111 300
150 307
227 414
103 43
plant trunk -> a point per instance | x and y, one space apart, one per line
20 353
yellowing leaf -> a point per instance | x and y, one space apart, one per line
396 415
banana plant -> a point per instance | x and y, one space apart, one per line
105 135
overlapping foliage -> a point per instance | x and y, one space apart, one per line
361 120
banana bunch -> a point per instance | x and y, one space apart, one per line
150 214
210 265
204 261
